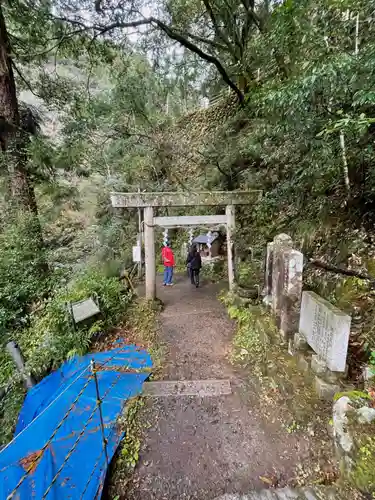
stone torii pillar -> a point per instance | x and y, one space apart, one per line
148 201
230 214
150 253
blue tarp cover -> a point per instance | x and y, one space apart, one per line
119 377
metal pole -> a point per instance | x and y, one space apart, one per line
17 357
99 403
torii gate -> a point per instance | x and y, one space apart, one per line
149 201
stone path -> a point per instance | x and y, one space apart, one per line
202 447
316 493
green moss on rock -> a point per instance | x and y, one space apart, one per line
363 472
353 395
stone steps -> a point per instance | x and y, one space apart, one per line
307 493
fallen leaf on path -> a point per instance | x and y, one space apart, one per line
266 480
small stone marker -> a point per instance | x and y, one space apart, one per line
292 266
201 388
326 329
281 243
84 309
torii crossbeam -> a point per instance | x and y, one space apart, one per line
148 201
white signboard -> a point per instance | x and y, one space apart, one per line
137 253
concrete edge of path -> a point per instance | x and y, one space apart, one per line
200 388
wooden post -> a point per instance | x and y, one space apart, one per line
229 211
17 357
150 253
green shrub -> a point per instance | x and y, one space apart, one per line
10 406
249 273
215 271
372 362
51 338
22 279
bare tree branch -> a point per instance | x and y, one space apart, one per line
214 44
340 270
98 7
28 85
186 43
218 30
171 33
249 7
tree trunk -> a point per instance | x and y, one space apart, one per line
12 137
13 143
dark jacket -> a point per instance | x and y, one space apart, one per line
194 260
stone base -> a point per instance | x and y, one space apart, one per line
325 390
319 367
291 349
300 342
303 362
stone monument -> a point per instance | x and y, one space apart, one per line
326 329
292 261
281 243
287 269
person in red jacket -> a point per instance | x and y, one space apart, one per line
168 262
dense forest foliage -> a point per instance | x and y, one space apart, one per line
102 94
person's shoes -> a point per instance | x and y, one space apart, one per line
196 286
169 284
164 284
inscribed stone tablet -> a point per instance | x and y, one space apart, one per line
326 329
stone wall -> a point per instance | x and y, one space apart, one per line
314 330
353 428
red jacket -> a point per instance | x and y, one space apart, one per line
167 256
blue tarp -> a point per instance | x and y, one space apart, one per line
44 408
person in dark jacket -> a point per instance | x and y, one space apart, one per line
194 264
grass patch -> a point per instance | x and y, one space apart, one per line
275 381
49 337
142 328
142 321
362 474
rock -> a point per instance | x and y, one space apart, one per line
368 376
368 373
343 440
267 301
365 415
247 293
325 390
